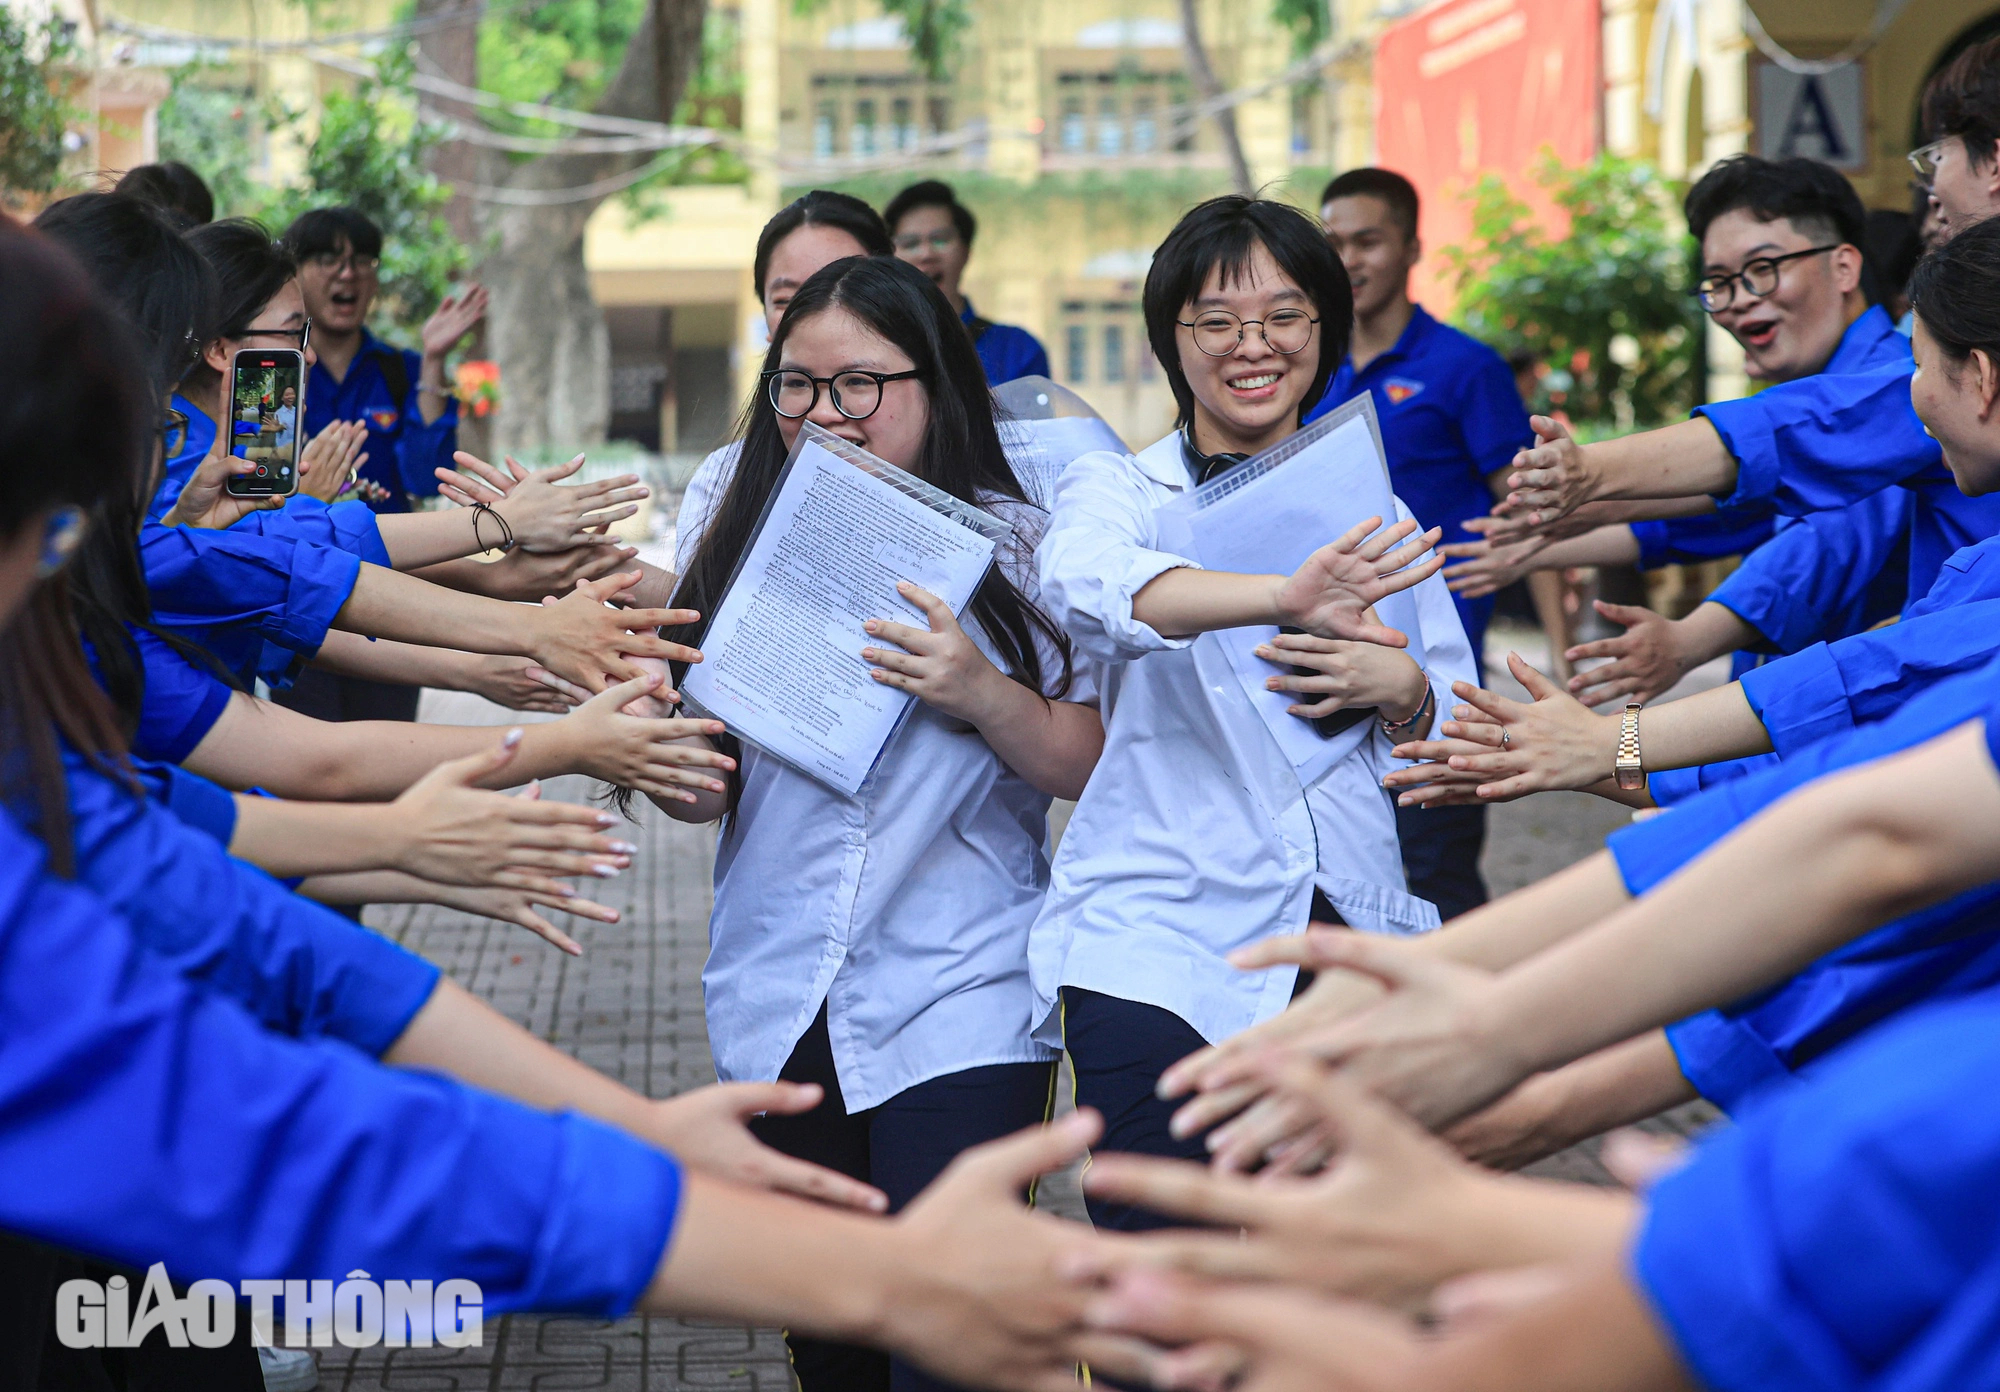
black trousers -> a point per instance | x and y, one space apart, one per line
32 1359
899 1147
1441 847
330 696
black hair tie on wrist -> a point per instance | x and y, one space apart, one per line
480 510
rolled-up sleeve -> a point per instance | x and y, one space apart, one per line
1815 580
350 526
141 1106
285 591
1100 551
1823 441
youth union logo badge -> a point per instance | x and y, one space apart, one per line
1400 389
383 419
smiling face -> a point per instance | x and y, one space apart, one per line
928 239
794 261
834 341
1963 190
1792 331
1250 398
1959 403
288 397
338 296
1373 246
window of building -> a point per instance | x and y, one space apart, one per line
1116 114
861 115
863 144
826 129
1114 353
1076 352
1069 126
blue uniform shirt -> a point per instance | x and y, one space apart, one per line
1951 948
140 1105
1845 1237
1450 415
403 451
1006 351
182 701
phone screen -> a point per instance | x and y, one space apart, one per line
267 418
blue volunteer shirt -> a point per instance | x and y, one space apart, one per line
181 701
403 451
140 1105
1950 949
1450 416
1846 1236
1006 351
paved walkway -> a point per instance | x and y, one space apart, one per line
631 1006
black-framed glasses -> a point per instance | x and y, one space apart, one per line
1924 159
856 394
303 335
1218 333
1759 277
173 431
334 262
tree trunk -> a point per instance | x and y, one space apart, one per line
1208 88
544 327
452 51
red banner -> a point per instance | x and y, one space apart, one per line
1472 87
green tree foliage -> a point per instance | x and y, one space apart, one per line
212 129
1617 275
34 114
369 151
1307 21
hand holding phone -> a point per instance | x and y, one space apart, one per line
266 406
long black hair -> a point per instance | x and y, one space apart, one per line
75 427
1223 233
1955 290
142 264
961 454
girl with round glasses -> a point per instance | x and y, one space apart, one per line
1196 836
878 944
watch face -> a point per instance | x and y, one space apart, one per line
1631 778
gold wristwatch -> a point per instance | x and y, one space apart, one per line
1631 772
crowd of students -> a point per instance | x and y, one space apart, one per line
1303 1088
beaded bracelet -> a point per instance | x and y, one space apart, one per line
1391 727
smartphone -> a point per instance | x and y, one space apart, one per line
267 409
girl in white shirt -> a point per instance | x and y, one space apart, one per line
878 945
1196 836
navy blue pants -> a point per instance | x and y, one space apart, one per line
1441 847
899 1147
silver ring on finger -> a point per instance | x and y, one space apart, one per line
1506 739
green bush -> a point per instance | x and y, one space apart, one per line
34 114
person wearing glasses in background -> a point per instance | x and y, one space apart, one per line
1451 420
933 231
399 394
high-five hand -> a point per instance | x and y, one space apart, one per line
1331 594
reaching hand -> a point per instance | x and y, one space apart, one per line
583 640
657 754
457 833
530 577
517 906
331 458
940 666
519 684
709 1129
985 1299
1486 567
545 515
1647 658
1331 594
458 315
1343 675
1394 1214
1197 1336
1550 480
1553 742
476 481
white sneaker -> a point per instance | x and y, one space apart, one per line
288 1370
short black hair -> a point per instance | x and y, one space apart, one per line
1892 249
1963 99
249 269
1223 232
173 186
1386 184
322 230
931 193
1955 290
1815 198
820 208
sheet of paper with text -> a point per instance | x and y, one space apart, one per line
1265 517
782 656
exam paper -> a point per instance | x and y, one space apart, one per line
1046 427
782 660
1265 517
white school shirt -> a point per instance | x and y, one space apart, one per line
905 908
1194 836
